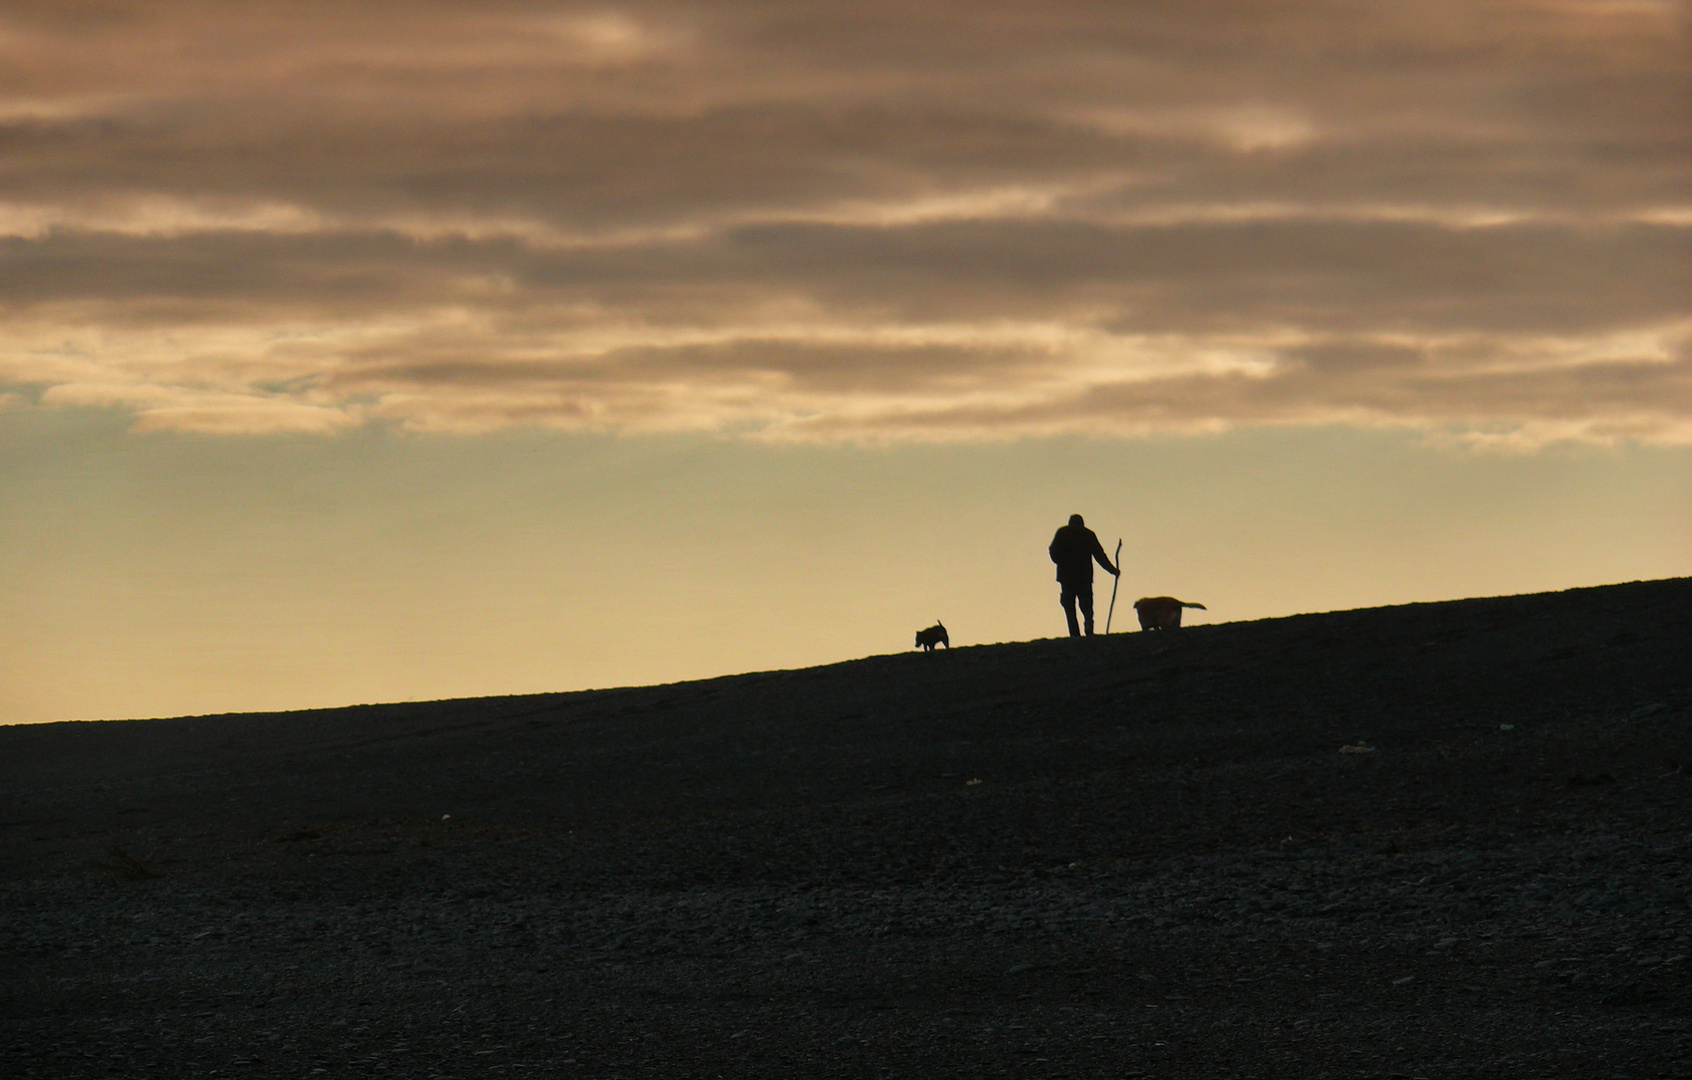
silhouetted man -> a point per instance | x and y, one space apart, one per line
1073 549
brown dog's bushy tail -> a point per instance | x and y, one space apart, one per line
1201 607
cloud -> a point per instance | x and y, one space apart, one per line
869 222
172 408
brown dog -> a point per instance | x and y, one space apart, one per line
1161 612
934 635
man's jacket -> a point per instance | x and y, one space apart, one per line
1073 549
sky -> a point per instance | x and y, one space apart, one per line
382 351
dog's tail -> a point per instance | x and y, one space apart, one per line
1201 607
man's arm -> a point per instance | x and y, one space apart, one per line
1104 560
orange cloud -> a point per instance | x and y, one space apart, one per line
864 222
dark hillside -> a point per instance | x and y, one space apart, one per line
1138 855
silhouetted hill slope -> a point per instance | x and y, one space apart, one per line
1212 696
914 838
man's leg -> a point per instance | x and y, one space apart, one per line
1084 593
1068 602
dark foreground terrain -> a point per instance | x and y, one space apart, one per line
1158 855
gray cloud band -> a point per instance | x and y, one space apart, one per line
864 225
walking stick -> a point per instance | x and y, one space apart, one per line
1116 579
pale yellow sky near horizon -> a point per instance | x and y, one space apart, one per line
355 351
174 575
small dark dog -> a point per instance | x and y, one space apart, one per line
1161 612
934 635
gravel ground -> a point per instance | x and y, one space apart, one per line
1145 855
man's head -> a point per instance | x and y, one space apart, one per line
1075 519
